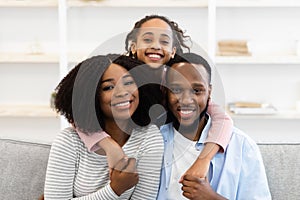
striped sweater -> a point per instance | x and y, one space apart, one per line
75 173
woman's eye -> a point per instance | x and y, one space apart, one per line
129 82
109 87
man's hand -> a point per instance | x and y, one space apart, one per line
195 188
124 175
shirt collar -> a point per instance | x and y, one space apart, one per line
204 131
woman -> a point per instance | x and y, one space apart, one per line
100 90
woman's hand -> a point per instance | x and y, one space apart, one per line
124 175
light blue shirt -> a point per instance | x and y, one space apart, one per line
238 173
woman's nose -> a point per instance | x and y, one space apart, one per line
120 91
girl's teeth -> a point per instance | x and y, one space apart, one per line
123 104
154 56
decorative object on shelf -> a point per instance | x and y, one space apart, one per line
251 108
233 48
36 48
52 100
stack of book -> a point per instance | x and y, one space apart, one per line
233 48
251 108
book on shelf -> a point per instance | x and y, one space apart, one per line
251 108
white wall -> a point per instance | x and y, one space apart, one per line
90 27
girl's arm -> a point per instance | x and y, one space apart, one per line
217 140
61 170
101 140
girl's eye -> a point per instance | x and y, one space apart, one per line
109 87
147 40
165 42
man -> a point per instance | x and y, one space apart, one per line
238 173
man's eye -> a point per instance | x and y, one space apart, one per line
176 90
106 88
198 91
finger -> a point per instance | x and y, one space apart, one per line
131 167
181 178
187 195
121 164
189 177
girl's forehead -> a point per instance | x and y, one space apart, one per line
156 23
155 31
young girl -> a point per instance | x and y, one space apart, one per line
156 40
102 91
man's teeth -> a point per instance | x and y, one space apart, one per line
122 104
186 112
154 56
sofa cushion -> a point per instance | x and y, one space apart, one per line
282 162
22 169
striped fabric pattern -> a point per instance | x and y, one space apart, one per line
75 173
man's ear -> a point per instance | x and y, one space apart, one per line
209 90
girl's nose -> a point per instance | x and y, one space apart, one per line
155 45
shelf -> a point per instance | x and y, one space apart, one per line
287 59
257 3
28 3
28 58
27 111
138 3
282 114
38 58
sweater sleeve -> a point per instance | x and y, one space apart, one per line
90 140
221 126
149 163
61 171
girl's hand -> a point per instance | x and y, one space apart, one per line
124 175
198 169
113 151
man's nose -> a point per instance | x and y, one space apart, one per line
186 97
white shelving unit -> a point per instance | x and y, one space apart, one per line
75 28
